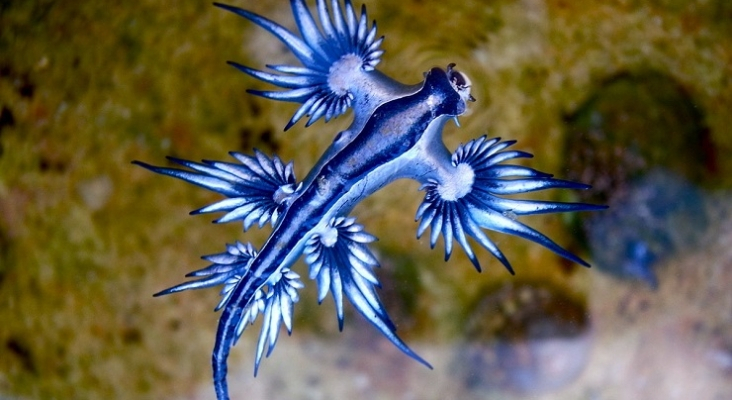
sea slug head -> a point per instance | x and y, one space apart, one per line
449 91
460 83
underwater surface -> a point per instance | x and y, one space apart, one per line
632 97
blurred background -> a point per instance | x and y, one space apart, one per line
633 97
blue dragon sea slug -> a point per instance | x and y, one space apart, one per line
396 133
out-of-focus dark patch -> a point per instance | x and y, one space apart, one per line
641 142
21 81
23 353
6 118
245 138
174 324
4 256
131 45
40 10
722 13
523 337
264 140
131 335
46 164
25 87
631 124
5 70
255 110
267 137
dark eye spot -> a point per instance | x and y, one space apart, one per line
459 80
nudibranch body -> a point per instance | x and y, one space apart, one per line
396 133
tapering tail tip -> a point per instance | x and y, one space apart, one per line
220 385
225 337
